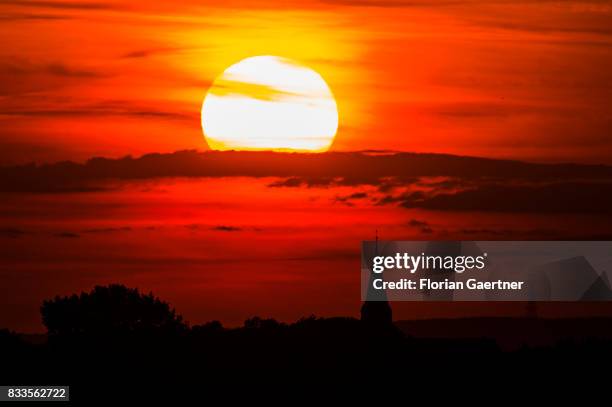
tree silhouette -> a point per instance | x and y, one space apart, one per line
209 329
264 324
107 310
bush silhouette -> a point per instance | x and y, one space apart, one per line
109 309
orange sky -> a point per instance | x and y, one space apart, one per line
516 78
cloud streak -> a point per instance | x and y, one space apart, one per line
32 17
111 108
226 228
426 181
25 67
61 5
571 197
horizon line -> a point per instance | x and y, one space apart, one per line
373 152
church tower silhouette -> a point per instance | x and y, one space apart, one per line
376 310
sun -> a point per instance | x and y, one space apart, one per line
269 103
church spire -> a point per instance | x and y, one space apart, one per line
376 310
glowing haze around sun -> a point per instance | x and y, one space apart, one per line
269 103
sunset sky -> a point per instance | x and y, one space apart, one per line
230 235
521 79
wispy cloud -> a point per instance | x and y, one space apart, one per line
563 197
108 230
226 228
62 5
32 17
26 67
421 225
347 199
396 3
67 235
109 108
150 52
12 233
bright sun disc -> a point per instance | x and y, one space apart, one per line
269 103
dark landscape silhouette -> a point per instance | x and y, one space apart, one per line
118 334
